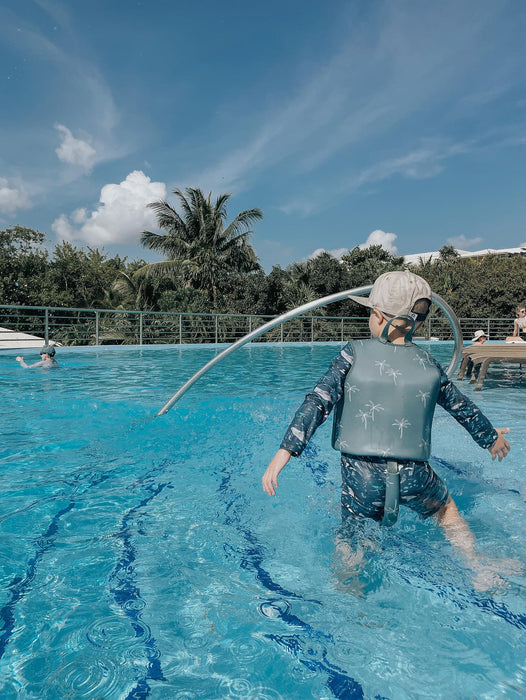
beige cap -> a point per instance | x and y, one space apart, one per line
478 334
395 293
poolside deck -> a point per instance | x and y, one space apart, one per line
484 355
15 340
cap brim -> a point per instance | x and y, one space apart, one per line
364 301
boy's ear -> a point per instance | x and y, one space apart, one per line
379 316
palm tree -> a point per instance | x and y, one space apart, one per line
200 249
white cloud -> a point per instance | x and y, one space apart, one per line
464 243
336 252
119 218
75 151
379 237
12 197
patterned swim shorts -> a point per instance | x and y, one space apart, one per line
363 487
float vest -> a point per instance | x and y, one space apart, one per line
390 394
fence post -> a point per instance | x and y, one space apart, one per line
312 329
342 328
96 327
180 329
281 326
46 330
140 327
216 327
250 324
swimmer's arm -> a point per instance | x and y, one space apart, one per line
26 366
42 363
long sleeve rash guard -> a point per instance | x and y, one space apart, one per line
319 403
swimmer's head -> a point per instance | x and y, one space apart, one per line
400 293
48 350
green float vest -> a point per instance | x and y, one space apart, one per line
389 400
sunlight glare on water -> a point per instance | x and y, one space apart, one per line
141 558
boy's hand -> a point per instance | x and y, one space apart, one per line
501 446
270 477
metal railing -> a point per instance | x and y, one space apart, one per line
118 327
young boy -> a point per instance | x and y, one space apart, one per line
48 359
385 390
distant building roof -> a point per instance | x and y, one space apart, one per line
415 258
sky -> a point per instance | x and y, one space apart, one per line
348 123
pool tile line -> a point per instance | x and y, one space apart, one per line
126 593
20 584
463 599
342 686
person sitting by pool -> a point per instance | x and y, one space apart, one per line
385 390
47 362
479 338
519 327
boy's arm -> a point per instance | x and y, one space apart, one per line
470 417
312 412
318 404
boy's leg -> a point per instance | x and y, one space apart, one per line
456 529
363 492
459 534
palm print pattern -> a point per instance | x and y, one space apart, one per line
319 403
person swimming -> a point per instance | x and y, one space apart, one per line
47 362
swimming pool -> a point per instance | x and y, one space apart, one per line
140 557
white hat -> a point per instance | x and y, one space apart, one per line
395 293
479 334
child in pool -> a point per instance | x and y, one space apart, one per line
385 390
48 359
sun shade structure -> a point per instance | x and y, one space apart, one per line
323 301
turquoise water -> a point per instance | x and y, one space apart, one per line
140 557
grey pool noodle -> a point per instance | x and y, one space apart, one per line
324 301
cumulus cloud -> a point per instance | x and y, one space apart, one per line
379 237
75 151
336 252
463 243
12 197
121 214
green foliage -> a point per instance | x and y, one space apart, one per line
23 266
487 286
81 279
191 300
201 250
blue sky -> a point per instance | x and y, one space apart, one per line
399 122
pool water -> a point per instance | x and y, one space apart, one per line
140 558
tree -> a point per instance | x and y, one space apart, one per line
23 266
201 250
78 278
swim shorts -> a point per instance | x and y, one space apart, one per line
363 487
